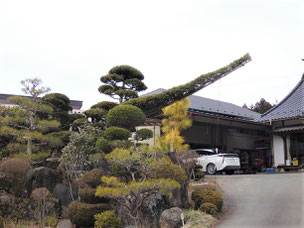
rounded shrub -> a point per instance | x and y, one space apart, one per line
92 177
207 195
82 214
87 195
125 116
143 134
116 133
107 219
103 145
50 221
208 208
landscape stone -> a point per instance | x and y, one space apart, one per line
66 223
171 218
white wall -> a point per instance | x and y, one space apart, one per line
278 150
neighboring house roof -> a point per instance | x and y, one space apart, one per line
215 108
292 106
3 100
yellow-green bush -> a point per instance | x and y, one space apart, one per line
208 208
107 219
207 194
51 221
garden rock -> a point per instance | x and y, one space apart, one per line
43 177
171 218
66 223
7 202
62 192
153 207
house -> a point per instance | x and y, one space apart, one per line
287 128
222 125
76 104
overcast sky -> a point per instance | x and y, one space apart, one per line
70 44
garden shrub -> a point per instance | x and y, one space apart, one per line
143 134
207 194
50 221
125 116
103 145
119 171
117 133
82 214
208 208
92 177
16 171
107 219
87 195
169 170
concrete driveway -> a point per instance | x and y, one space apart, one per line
263 200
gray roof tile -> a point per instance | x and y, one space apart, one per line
292 106
210 106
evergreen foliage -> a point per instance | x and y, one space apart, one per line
116 133
122 83
125 116
141 164
176 120
143 134
153 104
107 219
82 214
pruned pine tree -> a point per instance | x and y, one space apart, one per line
22 121
122 83
143 165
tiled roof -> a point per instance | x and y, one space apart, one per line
214 107
3 100
292 106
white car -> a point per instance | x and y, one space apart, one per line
213 162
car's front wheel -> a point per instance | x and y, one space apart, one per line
211 169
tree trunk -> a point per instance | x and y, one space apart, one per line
29 146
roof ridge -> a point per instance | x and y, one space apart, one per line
285 98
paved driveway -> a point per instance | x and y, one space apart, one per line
263 201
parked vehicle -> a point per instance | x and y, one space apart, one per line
213 162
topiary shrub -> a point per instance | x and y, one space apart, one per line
82 214
103 145
143 134
92 177
50 221
87 195
207 194
16 171
107 219
125 116
208 208
116 133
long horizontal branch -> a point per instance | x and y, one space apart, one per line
152 104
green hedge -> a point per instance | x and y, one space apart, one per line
82 214
107 219
207 194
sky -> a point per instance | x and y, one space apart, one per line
70 44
